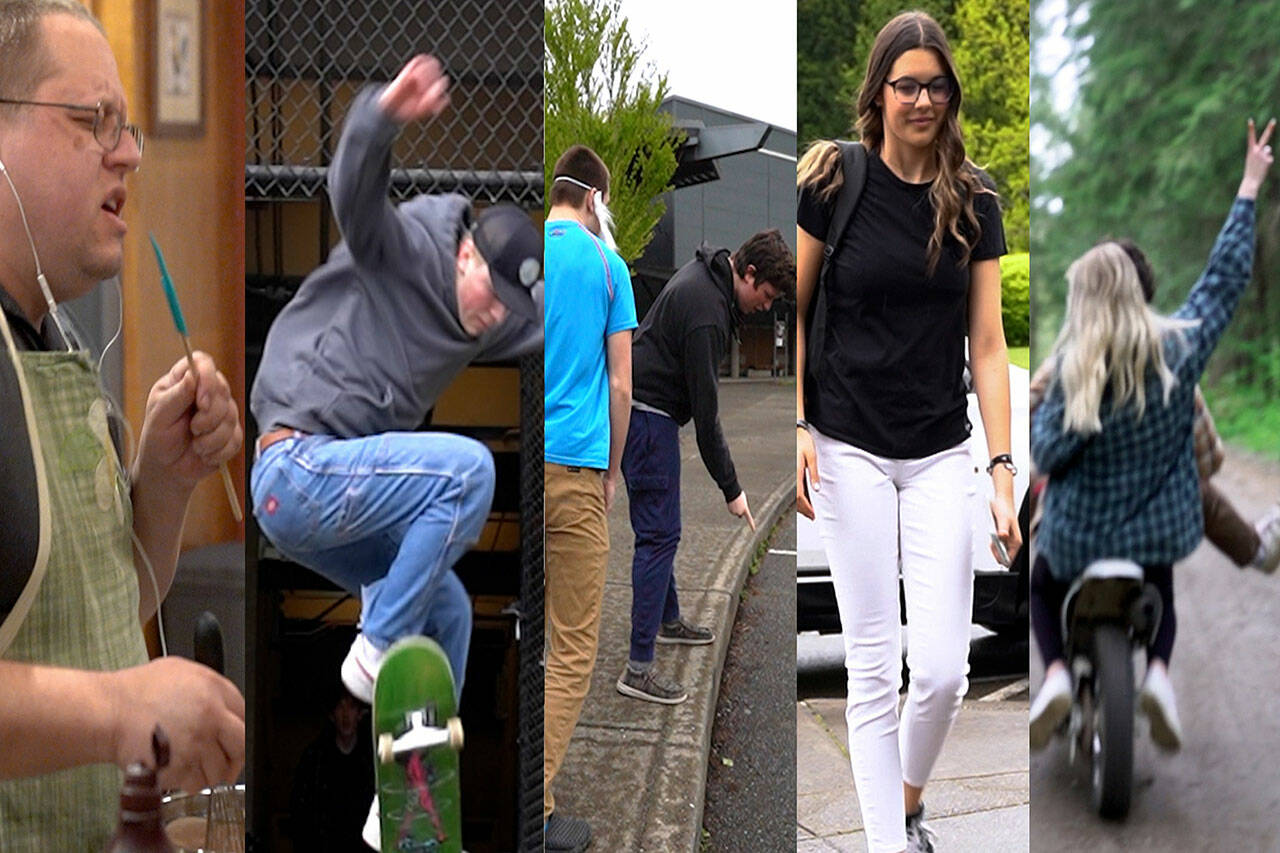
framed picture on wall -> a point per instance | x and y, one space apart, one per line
177 105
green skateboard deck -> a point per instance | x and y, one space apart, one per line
416 738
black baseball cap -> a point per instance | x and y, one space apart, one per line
512 247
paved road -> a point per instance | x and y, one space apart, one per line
1221 792
750 799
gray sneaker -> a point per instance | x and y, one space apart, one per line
920 837
682 632
564 834
650 688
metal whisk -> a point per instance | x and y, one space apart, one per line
224 830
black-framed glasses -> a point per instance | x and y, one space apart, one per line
108 123
907 89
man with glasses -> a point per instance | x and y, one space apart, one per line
77 694
675 361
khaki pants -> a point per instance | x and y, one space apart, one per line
576 557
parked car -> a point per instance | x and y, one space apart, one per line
999 595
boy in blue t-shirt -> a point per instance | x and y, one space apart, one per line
588 317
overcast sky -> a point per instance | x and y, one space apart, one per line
739 57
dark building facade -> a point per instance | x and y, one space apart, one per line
737 176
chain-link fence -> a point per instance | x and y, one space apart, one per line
306 59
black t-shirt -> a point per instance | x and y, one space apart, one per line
891 379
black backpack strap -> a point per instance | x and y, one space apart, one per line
853 164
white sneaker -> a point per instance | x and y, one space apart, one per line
1268 528
1051 707
1157 702
360 668
372 832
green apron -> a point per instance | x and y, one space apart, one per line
84 614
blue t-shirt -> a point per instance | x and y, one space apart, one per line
587 298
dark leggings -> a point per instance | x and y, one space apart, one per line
1048 593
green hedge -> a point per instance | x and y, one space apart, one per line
1015 298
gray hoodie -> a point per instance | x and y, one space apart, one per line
372 337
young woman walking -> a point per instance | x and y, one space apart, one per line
882 434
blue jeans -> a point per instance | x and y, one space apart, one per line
651 468
385 517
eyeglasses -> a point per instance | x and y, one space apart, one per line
108 122
908 89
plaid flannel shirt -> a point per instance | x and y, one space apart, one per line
1132 490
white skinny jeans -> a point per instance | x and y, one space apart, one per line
872 511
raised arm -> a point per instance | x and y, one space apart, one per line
360 175
1216 294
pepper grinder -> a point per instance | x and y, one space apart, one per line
139 829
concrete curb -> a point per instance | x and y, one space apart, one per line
731 571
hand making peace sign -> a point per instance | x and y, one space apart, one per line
1257 160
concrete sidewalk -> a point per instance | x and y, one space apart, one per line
636 770
978 798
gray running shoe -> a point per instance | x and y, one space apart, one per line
684 633
650 688
920 837
566 834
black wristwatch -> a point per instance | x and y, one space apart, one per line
1003 459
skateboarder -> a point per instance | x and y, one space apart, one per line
82 536
356 360
676 358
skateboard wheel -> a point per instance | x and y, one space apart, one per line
386 750
455 733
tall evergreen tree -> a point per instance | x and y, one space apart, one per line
1156 141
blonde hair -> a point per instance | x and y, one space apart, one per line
1110 339
954 189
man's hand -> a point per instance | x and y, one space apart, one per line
191 425
610 488
201 712
420 90
1257 160
738 506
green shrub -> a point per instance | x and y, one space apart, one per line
1015 298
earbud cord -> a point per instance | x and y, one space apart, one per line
40 279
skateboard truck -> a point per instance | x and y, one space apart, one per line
419 736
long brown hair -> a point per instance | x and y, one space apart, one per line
957 182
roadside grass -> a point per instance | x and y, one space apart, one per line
1020 356
1246 416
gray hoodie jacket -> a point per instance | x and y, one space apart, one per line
372 337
